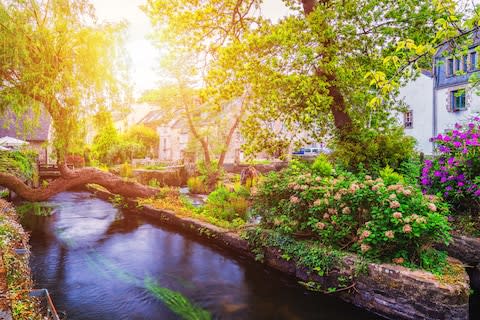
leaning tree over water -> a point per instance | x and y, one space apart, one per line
55 56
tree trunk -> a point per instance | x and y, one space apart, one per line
76 178
221 160
193 129
341 118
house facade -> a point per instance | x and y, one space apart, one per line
173 142
176 144
438 100
36 129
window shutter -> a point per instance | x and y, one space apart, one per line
449 101
468 99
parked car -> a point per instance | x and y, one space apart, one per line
310 152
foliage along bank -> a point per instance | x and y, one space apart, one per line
19 163
387 289
19 283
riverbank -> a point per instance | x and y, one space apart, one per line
15 277
389 290
100 261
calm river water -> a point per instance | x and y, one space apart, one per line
101 263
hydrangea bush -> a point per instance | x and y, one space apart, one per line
392 223
455 172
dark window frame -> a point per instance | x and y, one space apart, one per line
458 101
408 119
473 61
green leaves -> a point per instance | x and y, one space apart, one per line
379 218
58 56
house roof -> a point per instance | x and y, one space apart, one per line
28 126
427 73
154 116
450 45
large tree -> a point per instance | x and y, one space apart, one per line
306 72
210 108
54 54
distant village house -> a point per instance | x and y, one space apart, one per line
32 128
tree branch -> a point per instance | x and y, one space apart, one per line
77 178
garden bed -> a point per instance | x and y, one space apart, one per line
392 291
467 250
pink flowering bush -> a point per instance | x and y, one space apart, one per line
455 172
391 223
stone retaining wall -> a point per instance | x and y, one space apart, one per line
467 250
262 168
175 177
392 291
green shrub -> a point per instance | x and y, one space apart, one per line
411 169
168 193
372 150
227 205
322 166
386 222
18 163
154 183
196 185
37 208
210 174
126 170
155 167
390 177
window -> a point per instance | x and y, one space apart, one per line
457 100
458 65
408 119
465 63
473 61
450 67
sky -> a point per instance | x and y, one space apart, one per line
144 56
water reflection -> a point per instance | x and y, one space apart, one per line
101 263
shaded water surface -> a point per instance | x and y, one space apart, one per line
95 260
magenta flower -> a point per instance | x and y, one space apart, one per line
444 149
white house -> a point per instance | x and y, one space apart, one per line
174 138
418 120
438 100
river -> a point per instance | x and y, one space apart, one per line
99 262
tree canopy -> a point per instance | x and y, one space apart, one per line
308 73
328 68
55 54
